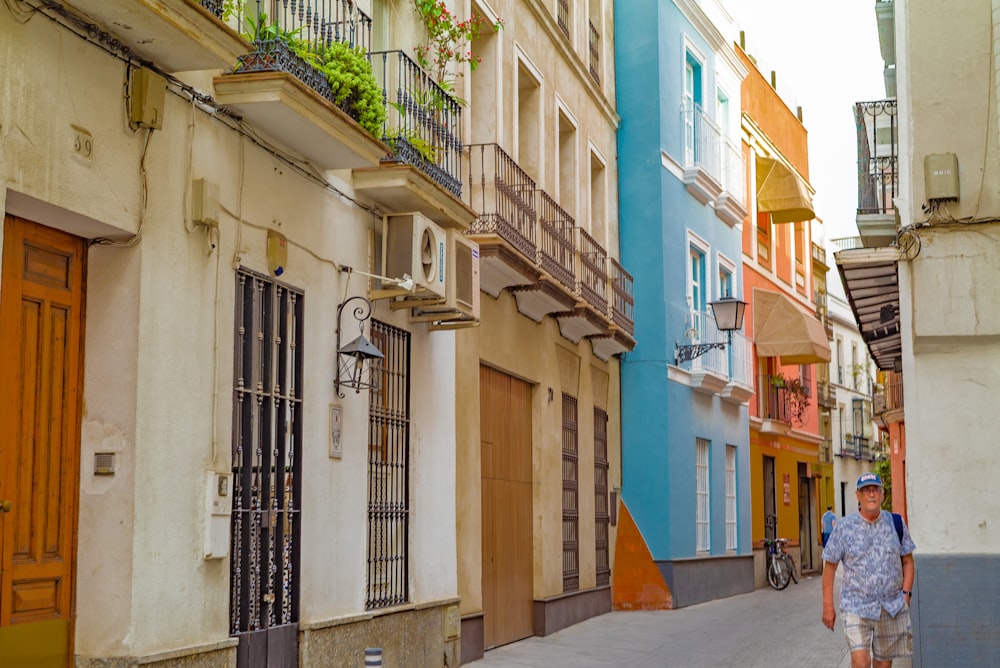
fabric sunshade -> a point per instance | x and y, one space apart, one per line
782 330
782 192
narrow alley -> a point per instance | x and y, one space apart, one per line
766 628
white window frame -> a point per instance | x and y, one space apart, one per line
732 540
703 503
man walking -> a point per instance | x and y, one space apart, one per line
878 579
829 519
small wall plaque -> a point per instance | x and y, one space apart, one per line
336 431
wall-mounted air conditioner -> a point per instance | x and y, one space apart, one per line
413 245
461 301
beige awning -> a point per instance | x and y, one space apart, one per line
782 192
780 329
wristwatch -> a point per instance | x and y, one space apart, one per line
908 593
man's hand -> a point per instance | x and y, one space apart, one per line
829 612
829 615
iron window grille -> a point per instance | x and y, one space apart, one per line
570 509
389 471
267 463
602 518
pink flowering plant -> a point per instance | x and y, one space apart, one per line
448 39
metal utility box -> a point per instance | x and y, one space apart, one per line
941 176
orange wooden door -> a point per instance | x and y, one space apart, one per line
41 342
505 432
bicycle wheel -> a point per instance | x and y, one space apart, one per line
777 574
791 568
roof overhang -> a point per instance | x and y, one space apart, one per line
872 284
782 192
782 330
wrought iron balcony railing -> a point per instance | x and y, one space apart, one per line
289 25
511 206
857 446
557 241
889 395
504 196
701 141
878 164
593 271
423 121
622 297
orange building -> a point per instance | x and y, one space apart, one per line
783 294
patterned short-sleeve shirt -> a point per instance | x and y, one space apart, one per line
873 573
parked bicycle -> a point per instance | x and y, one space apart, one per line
780 565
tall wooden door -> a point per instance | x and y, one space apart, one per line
505 432
41 345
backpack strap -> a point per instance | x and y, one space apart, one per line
897 521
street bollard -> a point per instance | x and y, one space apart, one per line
373 657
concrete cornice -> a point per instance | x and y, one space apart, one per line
707 28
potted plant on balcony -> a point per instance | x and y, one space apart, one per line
338 72
796 393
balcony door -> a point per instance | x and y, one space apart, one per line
41 345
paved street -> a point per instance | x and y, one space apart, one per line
764 629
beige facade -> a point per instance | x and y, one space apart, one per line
544 181
151 564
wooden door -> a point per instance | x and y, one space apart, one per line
505 427
41 345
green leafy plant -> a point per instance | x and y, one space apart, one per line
352 82
448 39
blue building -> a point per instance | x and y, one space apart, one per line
683 185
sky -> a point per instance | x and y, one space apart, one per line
826 55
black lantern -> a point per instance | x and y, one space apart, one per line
728 314
355 359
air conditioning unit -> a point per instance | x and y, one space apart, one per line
413 245
461 302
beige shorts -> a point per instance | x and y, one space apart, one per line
888 637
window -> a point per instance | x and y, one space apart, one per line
691 106
562 16
696 292
701 473
389 471
598 197
602 518
571 513
840 361
731 536
725 282
267 455
806 378
594 42
855 367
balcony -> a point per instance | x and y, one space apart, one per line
531 246
621 308
780 406
826 395
888 400
176 35
857 446
731 204
702 158
728 371
423 171
288 99
878 171
825 451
